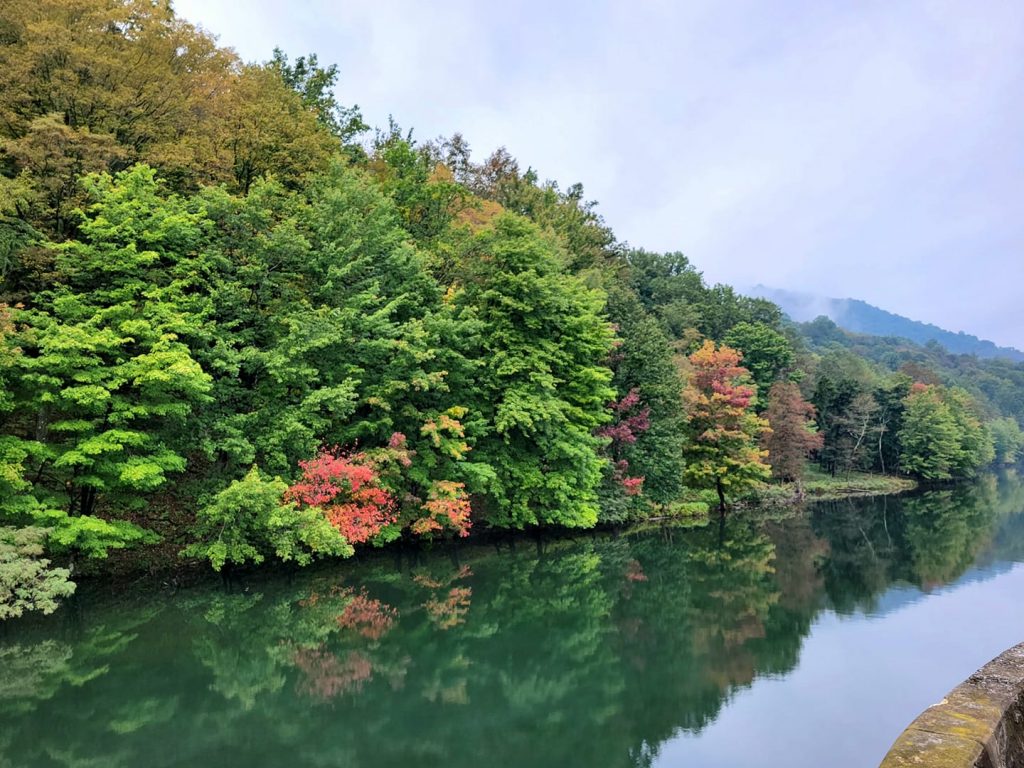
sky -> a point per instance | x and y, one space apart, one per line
870 150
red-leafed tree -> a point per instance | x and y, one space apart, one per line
722 447
631 418
347 488
793 436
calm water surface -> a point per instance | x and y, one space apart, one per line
805 641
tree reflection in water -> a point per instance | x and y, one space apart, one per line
585 651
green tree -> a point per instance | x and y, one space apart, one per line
929 439
249 520
976 449
316 84
1008 440
541 388
766 353
643 362
669 287
105 386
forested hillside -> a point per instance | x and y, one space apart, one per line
237 322
860 317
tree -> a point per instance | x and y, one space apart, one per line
642 362
27 582
722 450
347 491
792 436
541 388
630 419
265 128
889 420
846 415
104 385
669 287
1008 440
766 353
976 447
90 85
425 194
929 437
316 85
251 518
388 330
853 431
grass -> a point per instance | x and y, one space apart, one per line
821 486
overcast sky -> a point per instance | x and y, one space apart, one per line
866 149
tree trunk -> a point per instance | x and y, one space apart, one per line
721 497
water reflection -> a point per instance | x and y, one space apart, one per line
588 651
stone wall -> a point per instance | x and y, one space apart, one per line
980 723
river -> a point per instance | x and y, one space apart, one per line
810 639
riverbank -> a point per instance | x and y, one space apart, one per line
816 486
161 560
820 486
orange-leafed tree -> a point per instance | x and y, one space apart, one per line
793 436
722 451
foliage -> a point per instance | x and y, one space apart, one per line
1008 440
941 438
766 353
642 362
27 582
346 490
202 273
252 518
105 384
723 431
793 435
316 84
541 390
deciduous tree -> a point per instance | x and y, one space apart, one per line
793 435
542 386
723 431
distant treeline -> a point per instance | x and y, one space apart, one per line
860 317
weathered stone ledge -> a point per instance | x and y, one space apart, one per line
980 723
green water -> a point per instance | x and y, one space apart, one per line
805 641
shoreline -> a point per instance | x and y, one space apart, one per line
128 568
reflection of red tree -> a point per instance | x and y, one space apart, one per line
325 676
368 617
451 610
426 581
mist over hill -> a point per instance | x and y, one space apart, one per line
860 317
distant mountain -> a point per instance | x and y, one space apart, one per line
860 317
